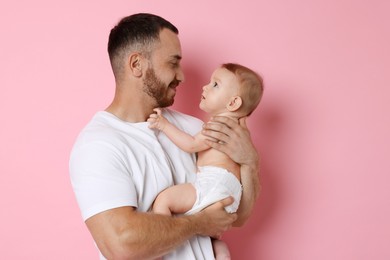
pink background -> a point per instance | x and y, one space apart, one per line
322 128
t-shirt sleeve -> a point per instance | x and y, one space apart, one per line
100 179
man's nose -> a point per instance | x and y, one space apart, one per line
180 76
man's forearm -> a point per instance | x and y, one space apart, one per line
155 235
250 181
124 233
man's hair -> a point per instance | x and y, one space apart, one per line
136 32
250 86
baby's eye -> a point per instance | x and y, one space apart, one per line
215 84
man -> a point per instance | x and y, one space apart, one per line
118 165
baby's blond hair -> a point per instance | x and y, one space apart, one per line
250 87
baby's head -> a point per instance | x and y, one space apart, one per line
250 87
234 90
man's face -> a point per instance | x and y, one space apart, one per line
164 73
162 93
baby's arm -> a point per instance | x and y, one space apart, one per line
184 141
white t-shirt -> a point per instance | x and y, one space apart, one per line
115 163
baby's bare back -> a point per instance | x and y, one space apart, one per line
213 157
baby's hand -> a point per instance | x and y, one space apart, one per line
156 120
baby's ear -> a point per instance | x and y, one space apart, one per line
234 104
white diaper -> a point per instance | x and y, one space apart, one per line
213 184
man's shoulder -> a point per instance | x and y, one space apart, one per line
101 129
99 124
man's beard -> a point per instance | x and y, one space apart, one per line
156 89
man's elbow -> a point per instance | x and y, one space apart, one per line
124 250
125 254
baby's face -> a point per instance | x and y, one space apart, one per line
217 94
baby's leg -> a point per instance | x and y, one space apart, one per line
221 250
175 200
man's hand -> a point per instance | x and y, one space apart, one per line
232 138
214 220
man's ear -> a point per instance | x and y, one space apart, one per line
234 104
135 64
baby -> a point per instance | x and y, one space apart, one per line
234 91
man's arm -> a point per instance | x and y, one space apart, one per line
124 233
233 138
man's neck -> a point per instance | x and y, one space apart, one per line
131 108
